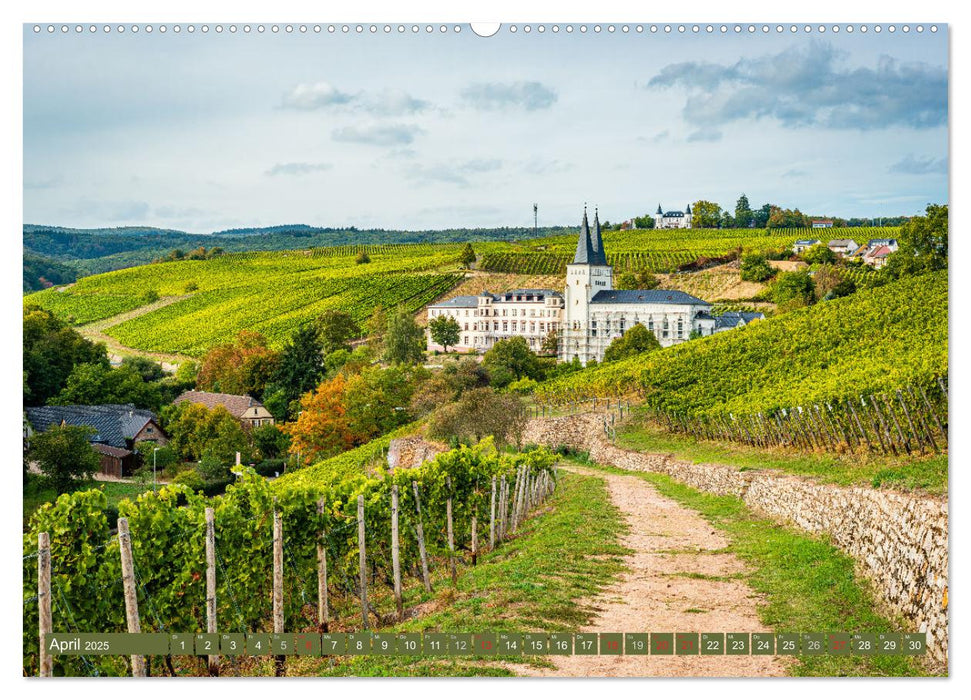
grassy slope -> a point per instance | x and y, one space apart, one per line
865 343
808 585
926 473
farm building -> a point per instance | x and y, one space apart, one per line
117 428
247 410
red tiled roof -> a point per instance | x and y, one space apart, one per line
880 252
235 404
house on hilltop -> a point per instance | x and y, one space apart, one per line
117 428
247 410
672 219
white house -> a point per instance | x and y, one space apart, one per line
843 246
804 244
822 223
672 219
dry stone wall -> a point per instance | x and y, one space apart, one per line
899 540
408 452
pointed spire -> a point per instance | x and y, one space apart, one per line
584 252
687 209
596 242
659 209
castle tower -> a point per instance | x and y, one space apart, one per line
687 216
658 217
588 274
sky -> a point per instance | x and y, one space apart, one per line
203 132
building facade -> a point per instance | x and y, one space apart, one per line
486 318
672 219
587 316
595 313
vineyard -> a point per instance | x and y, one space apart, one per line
874 341
287 556
272 293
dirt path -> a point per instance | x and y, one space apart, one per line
95 332
677 580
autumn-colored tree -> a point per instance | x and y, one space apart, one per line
244 366
322 428
787 218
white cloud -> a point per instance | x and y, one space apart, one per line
298 168
310 96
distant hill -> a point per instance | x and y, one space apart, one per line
93 251
41 273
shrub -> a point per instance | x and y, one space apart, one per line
755 268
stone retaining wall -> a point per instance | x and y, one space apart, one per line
410 452
899 541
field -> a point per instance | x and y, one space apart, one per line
873 341
274 292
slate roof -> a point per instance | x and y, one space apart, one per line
115 423
590 245
644 296
730 319
873 242
526 292
459 302
674 214
808 241
237 405
842 243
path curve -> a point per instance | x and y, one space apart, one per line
677 579
95 332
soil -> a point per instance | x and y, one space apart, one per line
678 579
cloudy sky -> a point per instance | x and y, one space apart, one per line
206 132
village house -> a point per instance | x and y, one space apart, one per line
247 410
804 244
843 246
822 223
877 257
117 429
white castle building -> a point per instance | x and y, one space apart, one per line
588 316
672 219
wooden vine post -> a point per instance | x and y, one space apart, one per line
278 582
45 622
423 554
451 538
211 626
138 666
395 556
475 539
362 558
492 516
323 608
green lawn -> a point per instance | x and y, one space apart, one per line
926 473
808 585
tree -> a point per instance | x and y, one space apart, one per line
51 350
243 366
635 341
642 279
743 212
321 429
644 222
65 456
95 383
404 342
376 327
155 456
445 331
477 414
270 441
818 254
793 290
148 370
468 256
760 217
301 365
335 329
755 268
196 431
376 401
787 218
923 244
705 214
551 343
511 359
436 391
362 258
466 374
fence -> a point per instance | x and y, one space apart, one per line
203 564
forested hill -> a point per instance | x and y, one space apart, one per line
92 251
